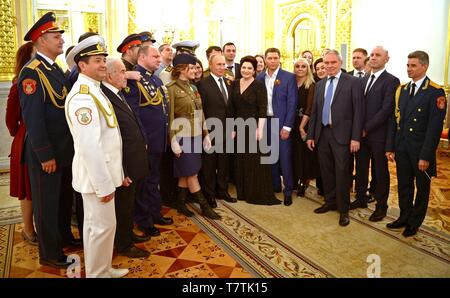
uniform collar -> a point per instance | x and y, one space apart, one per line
50 61
418 82
90 80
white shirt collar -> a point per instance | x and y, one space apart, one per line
111 87
336 77
378 73
418 82
50 61
90 80
216 77
275 74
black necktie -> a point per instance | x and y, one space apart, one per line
230 68
372 78
360 74
412 90
222 89
123 99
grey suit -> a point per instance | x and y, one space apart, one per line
333 141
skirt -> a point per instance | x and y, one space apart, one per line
190 160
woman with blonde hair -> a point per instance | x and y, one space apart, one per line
305 161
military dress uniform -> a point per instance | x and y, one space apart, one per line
414 135
97 164
148 100
43 88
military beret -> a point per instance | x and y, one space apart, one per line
184 59
46 24
91 46
187 46
129 41
147 36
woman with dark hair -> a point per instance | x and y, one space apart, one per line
320 72
187 128
198 71
19 179
249 98
261 66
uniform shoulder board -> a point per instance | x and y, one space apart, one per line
434 85
169 68
84 89
171 84
33 64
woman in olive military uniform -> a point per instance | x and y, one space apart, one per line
187 128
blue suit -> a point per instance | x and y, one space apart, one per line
284 103
148 100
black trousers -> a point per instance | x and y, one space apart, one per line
167 184
124 205
215 174
411 212
379 165
52 208
334 165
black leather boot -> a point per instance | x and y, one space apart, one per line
206 208
180 203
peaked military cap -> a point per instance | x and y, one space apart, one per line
147 36
187 46
46 24
91 46
184 58
129 41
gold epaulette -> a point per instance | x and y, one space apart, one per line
84 89
169 68
435 85
171 84
33 64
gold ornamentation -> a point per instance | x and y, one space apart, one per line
8 46
91 22
131 17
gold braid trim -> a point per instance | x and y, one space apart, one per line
156 100
51 92
397 108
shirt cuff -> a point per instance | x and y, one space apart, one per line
287 128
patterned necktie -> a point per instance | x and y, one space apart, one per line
372 78
327 104
222 89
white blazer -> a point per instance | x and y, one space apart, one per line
97 164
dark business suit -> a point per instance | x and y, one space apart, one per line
134 160
333 141
284 104
378 105
414 132
48 137
237 71
216 166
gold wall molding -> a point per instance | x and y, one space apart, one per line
131 17
8 41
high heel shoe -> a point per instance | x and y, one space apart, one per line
30 239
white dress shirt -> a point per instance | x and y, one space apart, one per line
270 83
50 61
418 84
377 75
216 78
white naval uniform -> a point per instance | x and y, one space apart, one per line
97 169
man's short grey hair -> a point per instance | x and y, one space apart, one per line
334 52
212 57
110 64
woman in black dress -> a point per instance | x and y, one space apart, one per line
306 165
253 179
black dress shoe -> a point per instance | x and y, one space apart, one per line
140 238
287 200
301 190
58 264
410 231
211 202
165 221
398 224
134 252
378 215
152 231
325 208
344 220
228 198
358 203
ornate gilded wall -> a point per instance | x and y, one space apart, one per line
8 44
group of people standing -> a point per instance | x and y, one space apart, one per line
127 134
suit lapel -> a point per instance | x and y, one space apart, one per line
216 89
116 100
378 82
341 83
57 74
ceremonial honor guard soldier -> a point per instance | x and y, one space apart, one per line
97 164
43 88
148 99
413 137
187 47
